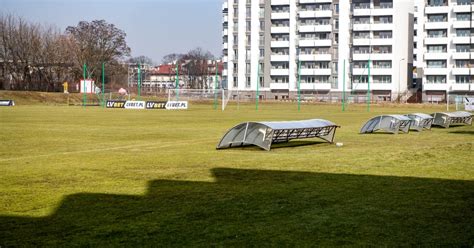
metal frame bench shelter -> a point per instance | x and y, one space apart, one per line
388 123
452 118
264 134
420 121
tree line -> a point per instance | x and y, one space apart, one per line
40 57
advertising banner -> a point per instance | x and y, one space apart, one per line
155 105
171 105
134 105
7 103
177 105
115 104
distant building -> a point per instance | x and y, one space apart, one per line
444 48
191 74
332 40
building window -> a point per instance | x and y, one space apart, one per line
279 79
383 64
280 65
463 32
382 79
360 79
462 63
438 18
433 3
436 48
436 79
463 48
438 33
463 79
463 16
464 2
247 82
235 82
436 63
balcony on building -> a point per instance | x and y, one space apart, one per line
314 71
436 55
437 23
315 57
315 86
279 72
435 86
383 8
225 6
279 86
462 6
436 40
463 39
280 15
361 8
311 28
435 71
436 6
315 11
279 57
460 71
280 29
314 42
280 2
280 43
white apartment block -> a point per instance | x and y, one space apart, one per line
444 48
323 44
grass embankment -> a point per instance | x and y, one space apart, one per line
114 177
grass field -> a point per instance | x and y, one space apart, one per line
71 176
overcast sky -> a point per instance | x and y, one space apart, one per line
154 27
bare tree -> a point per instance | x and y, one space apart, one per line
141 59
95 43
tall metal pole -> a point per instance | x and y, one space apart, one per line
215 88
368 87
177 82
257 96
344 86
103 84
139 80
84 96
299 83
399 78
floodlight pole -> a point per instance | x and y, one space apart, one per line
177 81
399 78
139 80
84 96
368 86
215 88
103 84
299 81
344 86
257 96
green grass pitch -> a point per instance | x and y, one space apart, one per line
73 176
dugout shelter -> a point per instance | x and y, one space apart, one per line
446 120
264 134
388 123
420 121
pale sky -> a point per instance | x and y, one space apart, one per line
154 28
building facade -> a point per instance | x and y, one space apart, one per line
321 48
444 49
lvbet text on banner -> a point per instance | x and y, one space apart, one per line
176 105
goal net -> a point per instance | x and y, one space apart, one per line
219 97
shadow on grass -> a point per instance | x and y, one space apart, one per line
260 208
463 132
298 143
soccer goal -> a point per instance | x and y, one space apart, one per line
218 97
